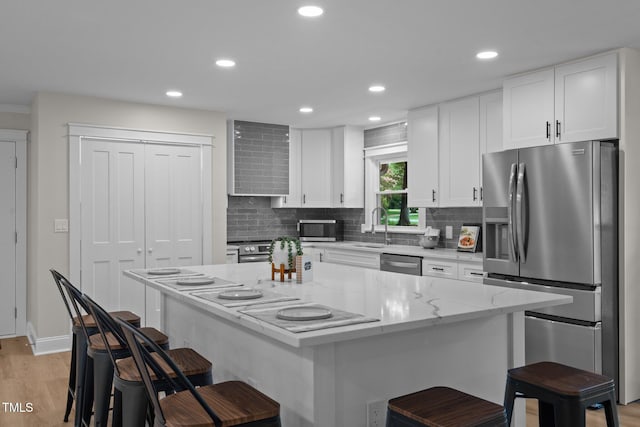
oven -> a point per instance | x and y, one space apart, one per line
253 251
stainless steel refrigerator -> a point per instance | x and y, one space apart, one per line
550 224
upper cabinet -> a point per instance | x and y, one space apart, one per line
316 168
459 153
347 166
257 159
326 169
445 147
422 154
571 102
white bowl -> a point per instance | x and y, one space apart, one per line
429 242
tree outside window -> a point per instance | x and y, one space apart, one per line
392 194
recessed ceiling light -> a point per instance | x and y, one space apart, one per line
487 54
174 93
310 11
376 88
225 63
374 119
306 110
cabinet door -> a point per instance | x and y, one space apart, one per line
459 151
422 152
528 110
294 198
586 101
347 167
316 168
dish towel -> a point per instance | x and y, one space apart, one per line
338 318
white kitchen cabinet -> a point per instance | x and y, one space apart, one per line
459 153
356 258
528 109
422 152
439 268
470 271
571 102
294 198
490 126
316 168
586 101
347 167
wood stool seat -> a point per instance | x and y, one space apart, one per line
127 316
235 403
96 343
188 360
563 393
443 407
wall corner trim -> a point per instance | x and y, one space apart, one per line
47 345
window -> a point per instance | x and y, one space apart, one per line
386 173
392 193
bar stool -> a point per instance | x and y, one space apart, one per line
98 375
130 400
230 403
77 367
563 393
443 407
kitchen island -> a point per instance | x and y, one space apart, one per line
420 332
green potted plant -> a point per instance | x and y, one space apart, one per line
283 250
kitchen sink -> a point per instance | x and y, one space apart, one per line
369 245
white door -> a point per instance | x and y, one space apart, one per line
528 110
422 152
112 215
586 103
459 151
173 198
8 238
316 168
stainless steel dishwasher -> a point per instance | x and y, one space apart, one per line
407 264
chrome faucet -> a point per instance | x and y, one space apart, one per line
386 223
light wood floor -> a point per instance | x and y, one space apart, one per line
42 381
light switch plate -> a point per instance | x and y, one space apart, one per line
60 225
448 230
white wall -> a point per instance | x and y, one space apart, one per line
49 186
629 226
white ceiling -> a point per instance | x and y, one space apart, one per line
423 51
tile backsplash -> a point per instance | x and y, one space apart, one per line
253 218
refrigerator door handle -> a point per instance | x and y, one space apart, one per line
512 232
521 212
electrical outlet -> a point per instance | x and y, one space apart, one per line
448 232
376 413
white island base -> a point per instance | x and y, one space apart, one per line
431 332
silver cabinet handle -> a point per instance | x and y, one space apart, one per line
549 131
512 232
437 268
558 129
433 195
341 197
481 194
400 264
473 273
520 212
475 197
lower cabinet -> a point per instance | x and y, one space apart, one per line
355 258
440 268
470 271
450 269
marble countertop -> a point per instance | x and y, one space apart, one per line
442 253
401 302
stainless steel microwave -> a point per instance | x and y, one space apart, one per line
319 230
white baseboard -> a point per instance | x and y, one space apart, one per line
47 345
